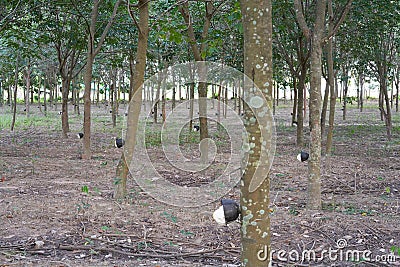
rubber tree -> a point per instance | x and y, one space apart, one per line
199 54
318 36
375 29
92 51
255 230
331 81
135 98
293 46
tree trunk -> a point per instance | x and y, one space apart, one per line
92 51
332 89
45 86
157 100
55 95
9 96
199 55
15 93
191 107
391 97
219 103
324 107
314 162
239 97
381 109
86 152
274 98
114 95
32 98
358 93
173 92
135 102
314 179
28 88
39 94
345 86
1 92
64 106
361 85
163 112
294 110
226 101
300 111
255 230
397 85
397 88
202 91
387 114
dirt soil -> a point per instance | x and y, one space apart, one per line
57 209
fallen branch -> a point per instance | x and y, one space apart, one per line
147 255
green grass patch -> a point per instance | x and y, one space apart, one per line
23 122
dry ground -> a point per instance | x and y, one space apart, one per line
58 210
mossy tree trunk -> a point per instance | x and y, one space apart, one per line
255 230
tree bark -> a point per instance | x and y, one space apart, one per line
255 230
331 80
300 105
1 92
114 92
15 93
135 99
199 55
361 85
294 110
28 87
385 103
314 171
324 107
64 106
92 51
345 86
318 37
397 83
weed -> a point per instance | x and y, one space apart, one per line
143 245
186 233
354 211
97 190
82 206
170 243
93 252
293 211
105 228
88 241
395 250
117 180
329 206
85 189
170 217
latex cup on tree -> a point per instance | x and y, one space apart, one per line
228 212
